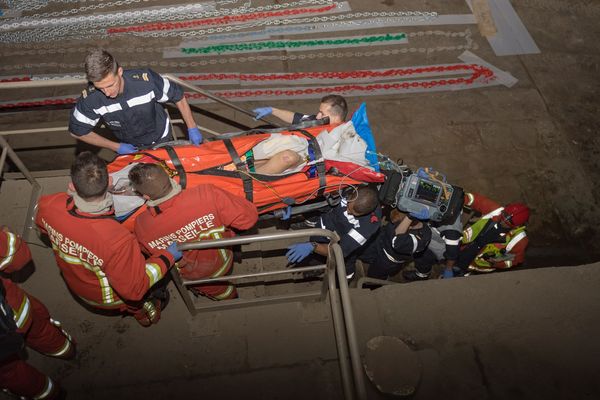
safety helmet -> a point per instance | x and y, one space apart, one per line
515 214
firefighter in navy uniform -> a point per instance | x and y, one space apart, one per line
130 103
444 246
356 219
397 242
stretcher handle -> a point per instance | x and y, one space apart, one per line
296 210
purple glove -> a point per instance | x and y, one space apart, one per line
174 251
195 135
262 112
126 148
299 251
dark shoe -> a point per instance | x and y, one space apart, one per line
162 295
149 313
414 275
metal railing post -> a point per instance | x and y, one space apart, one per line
359 379
36 188
339 328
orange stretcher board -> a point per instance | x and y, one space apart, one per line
221 162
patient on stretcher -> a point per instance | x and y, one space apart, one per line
279 154
283 154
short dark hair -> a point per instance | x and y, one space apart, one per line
98 64
366 200
338 105
149 179
89 175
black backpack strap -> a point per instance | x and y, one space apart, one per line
177 164
241 166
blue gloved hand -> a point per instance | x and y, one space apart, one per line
447 274
421 173
195 135
126 148
421 215
299 251
262 112
175 252
287 213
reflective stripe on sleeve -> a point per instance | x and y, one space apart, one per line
47 390
494 213
165 93
226 293
143 99
392 259
63 350
354 234
22 313
470 199
167 124
11 249
415 242
467 234
153 272
515 240
108 109
83 119
450 242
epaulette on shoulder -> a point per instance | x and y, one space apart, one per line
142 76
90 89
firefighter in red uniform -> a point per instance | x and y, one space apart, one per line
100 260
497 240
33 323
198 213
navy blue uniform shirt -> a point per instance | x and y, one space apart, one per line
353 231
135 116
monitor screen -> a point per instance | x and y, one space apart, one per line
427 191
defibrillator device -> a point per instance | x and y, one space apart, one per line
410 192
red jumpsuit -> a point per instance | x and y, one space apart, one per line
33 321
100 260
197 213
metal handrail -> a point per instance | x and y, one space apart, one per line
64 129
341 308
214 97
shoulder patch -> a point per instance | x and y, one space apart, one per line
85 92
